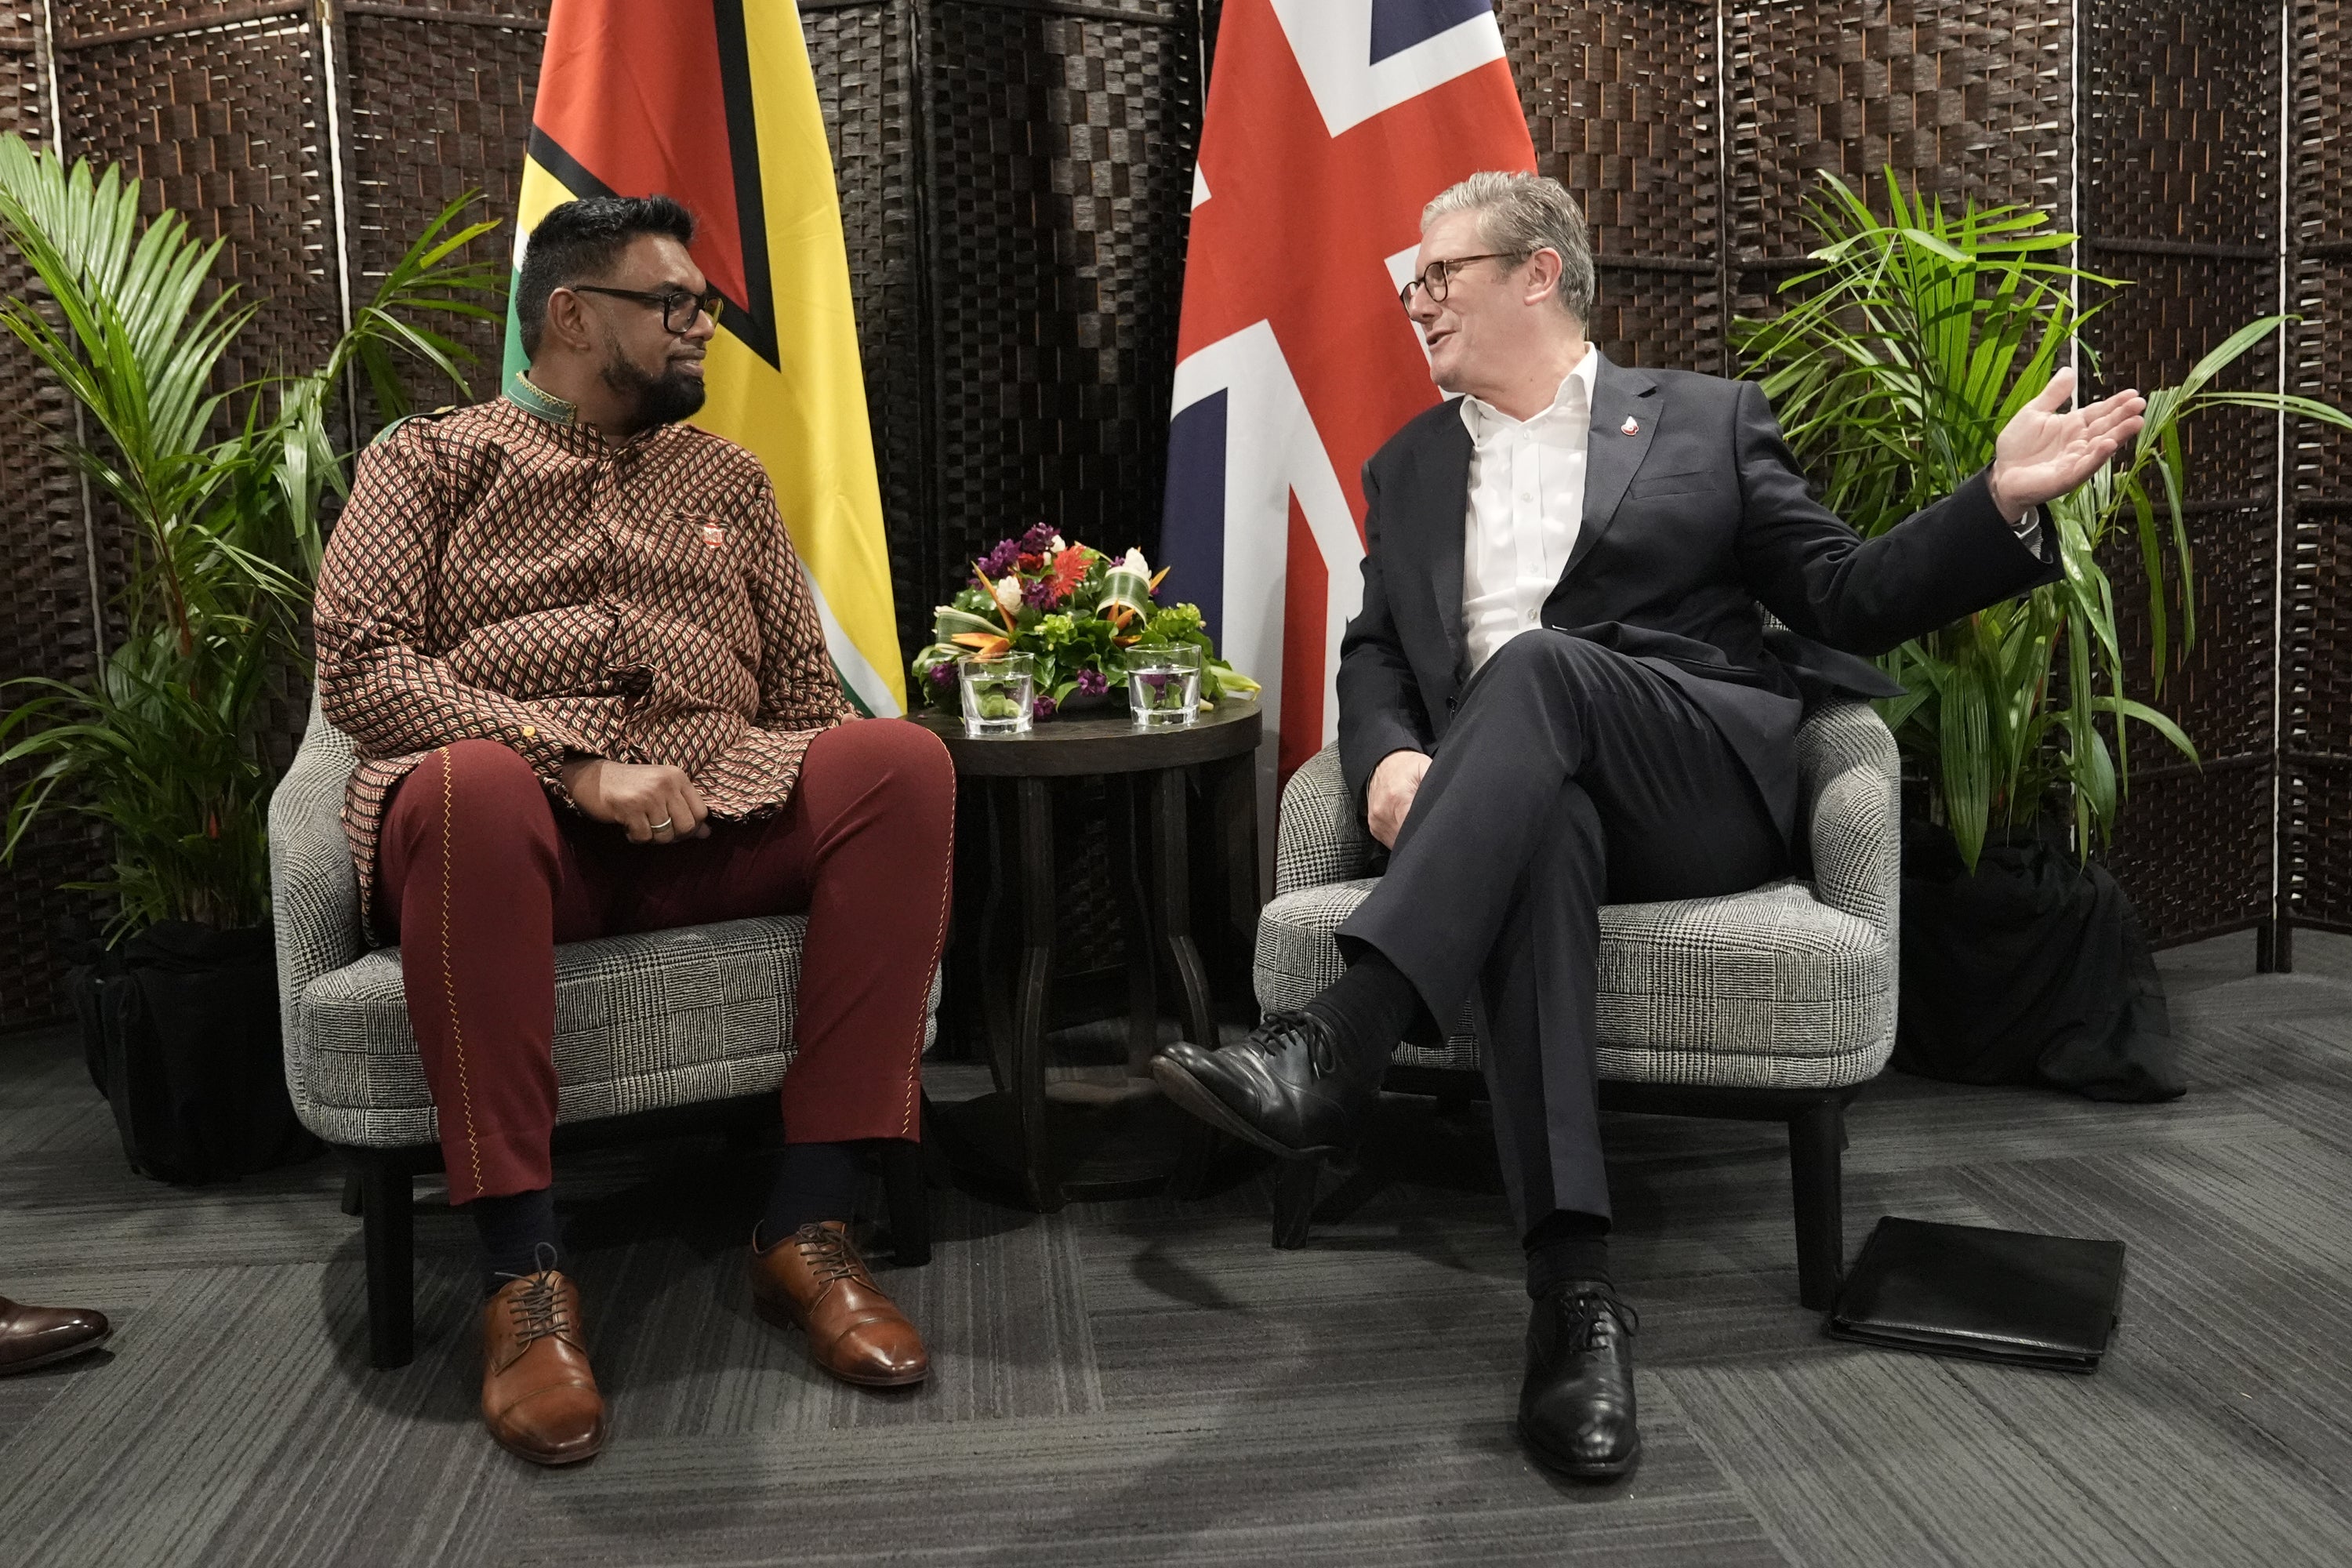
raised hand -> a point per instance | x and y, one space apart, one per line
2043 452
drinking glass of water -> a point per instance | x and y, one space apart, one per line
1163 685
999 694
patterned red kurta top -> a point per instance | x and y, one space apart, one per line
504 572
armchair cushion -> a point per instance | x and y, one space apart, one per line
1790 986
662 1019
642 1022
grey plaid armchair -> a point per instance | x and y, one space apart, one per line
1773 1005
652 1032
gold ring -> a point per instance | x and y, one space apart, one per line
663 826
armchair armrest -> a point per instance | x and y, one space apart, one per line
314 890
1320 839
1853 818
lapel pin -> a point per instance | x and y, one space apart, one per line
713 536
1631 426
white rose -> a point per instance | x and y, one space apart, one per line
1058 545
1008 594
1136 563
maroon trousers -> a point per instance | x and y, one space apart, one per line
482 875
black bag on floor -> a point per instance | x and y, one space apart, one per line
180 1030
2032 971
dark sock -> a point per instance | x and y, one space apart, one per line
512 1229
814 1181
1369 1007
1566 1245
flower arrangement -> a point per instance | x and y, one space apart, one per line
1074 609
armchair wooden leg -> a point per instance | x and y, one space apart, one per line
910 1201
352 1193
1816 1141
1295 1183
387 1224
938 1169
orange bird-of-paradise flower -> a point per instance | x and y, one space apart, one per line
983 644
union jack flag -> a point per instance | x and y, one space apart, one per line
1330 124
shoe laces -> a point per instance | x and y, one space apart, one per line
539 1308
828 1253
1588 1312
1273 1036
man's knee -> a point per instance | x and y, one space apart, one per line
475 777
1544 666
1546 653
483 772
900 757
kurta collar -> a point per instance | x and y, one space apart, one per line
532 400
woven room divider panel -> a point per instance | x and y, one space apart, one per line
2317 690
46 625
2181 117
1014 176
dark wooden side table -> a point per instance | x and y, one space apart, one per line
1145 775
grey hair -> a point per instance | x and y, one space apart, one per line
1519 214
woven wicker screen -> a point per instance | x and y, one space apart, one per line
2317 690
46 619
1014 176
2181 122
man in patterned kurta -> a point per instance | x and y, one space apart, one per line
590 692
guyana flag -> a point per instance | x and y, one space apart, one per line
713 102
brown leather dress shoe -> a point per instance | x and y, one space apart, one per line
814 1281
35 1336
539 1397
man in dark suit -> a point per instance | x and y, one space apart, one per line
1560 693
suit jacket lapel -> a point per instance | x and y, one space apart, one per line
1610 457
1446 480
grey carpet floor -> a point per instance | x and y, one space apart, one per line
1149 1381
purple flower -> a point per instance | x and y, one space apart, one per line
1037 593
1042 707
1038 540
942 674
999 561
1092 683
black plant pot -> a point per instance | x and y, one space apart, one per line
180 1027
2033 970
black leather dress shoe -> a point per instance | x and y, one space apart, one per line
1283 1089
1576 1404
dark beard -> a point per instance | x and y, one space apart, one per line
663 399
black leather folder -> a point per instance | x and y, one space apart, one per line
1991 1295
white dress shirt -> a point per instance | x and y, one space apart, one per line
1525 509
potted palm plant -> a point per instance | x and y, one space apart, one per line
219 493
1894 367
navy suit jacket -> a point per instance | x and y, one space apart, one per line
1690 525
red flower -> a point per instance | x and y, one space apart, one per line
1069 566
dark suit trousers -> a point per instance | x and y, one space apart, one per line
1571 776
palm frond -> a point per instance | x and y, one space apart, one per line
1893 366
161 747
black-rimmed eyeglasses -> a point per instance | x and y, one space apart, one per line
1438 275
674 302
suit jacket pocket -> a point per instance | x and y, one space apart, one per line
1651 487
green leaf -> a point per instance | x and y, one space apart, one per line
220 492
